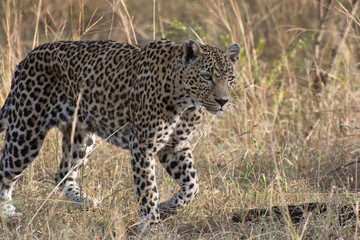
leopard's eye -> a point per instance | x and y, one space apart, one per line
231 79
206 76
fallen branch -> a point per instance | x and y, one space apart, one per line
296 212
348 126
343 166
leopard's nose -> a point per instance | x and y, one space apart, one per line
222 102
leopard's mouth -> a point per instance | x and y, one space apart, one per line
213 108
215 111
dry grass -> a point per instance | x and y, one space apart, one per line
279 143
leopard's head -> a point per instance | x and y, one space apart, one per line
209 74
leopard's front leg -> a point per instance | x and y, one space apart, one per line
143 167
176 157
179 164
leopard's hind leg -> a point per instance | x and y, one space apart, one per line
23 140
71 163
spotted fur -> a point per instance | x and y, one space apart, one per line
149 100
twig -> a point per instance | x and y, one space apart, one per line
323 12
348 14
130 21
202 134
154 18
36 34
319 76
335 53
197 36
312 130
348 126
343 166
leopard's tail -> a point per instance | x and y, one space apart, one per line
4 115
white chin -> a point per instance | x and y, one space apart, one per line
219 112
216 112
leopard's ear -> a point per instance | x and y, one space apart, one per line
192 52
233 52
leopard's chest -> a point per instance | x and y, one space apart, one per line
160 136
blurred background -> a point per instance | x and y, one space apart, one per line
292 133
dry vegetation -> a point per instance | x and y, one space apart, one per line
291 136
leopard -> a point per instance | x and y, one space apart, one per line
147 99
